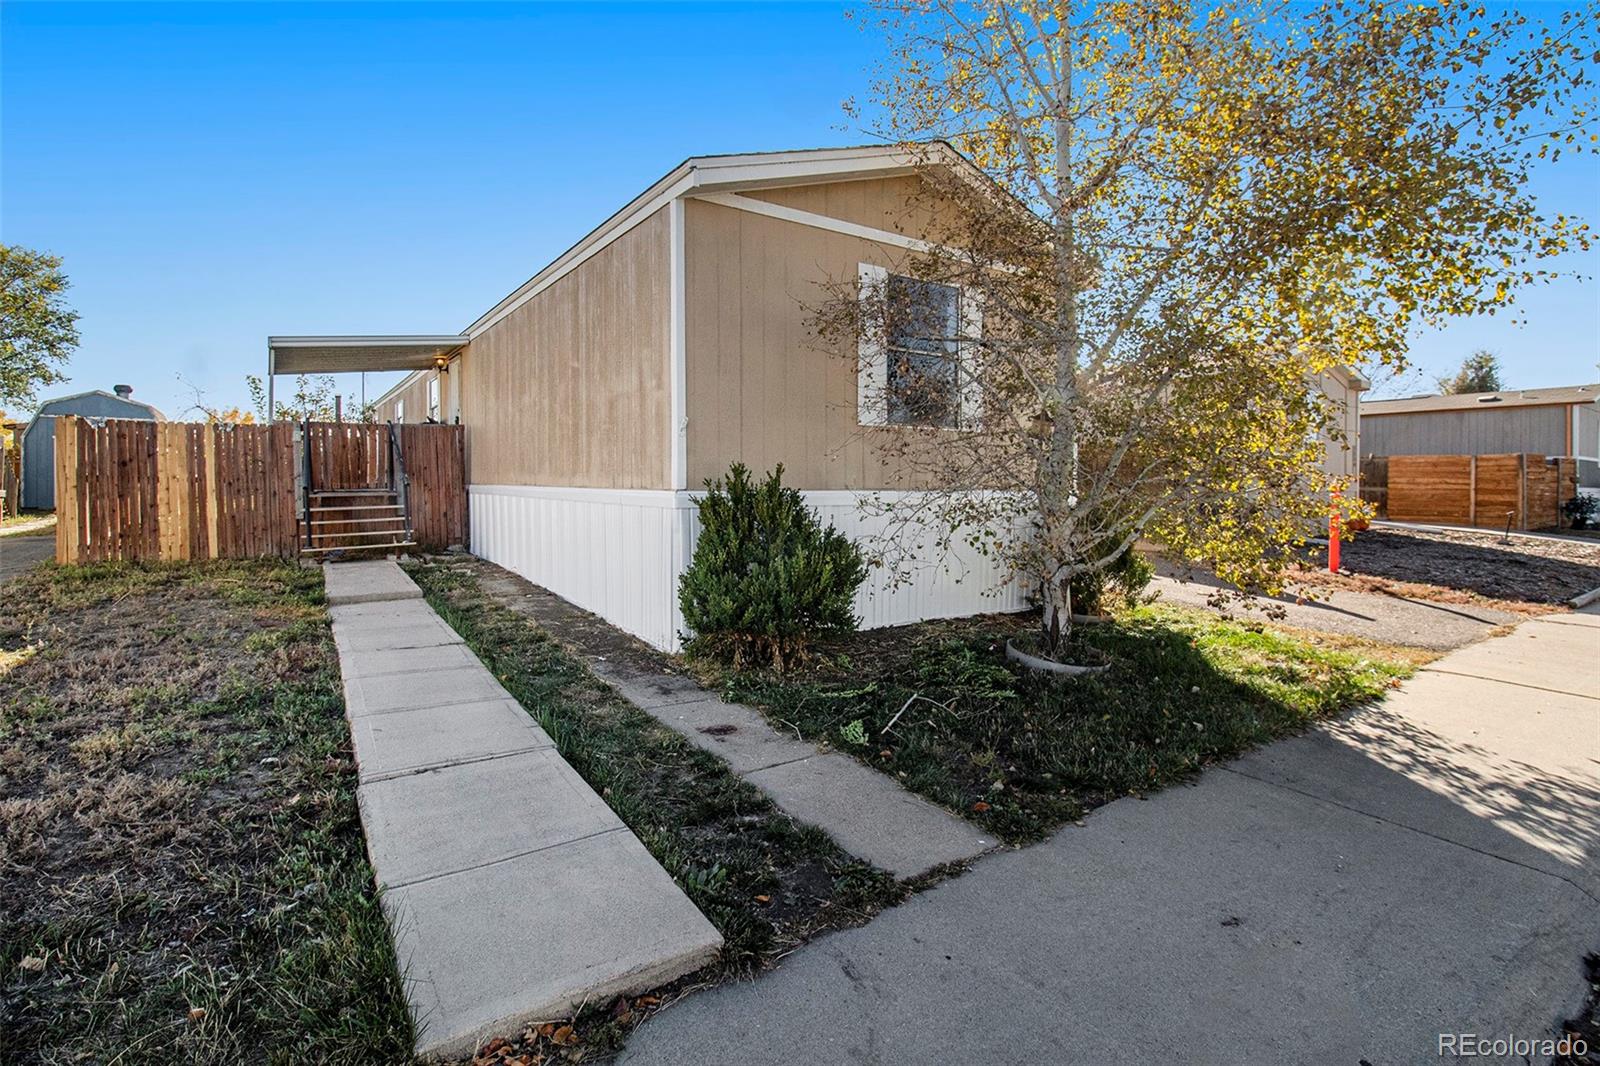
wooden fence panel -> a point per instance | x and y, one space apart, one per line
1543 493
1375 483
69 532
10 481
1477 490
131 489
1566 480
1430 488
1500 492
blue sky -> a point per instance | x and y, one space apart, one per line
213 173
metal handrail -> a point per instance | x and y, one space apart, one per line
398 482
305 454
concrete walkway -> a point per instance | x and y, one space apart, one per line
513 892
865 812
1370 616
1429 865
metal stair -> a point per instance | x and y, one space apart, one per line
368 518
357 520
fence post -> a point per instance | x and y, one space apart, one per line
1472 490
213 503
66 489
1522 490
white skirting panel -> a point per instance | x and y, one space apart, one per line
609 551
619 553
945 583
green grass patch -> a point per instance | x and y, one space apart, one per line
1021 755
182 872
42 519
766 882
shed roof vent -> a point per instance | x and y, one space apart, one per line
123 391
1490 399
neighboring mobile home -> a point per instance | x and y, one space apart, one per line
665 345
39 439
1558 422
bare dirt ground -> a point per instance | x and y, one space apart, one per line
1529 575
181 868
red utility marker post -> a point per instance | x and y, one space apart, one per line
1333 533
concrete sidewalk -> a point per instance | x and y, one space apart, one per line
1425 866
513 892
866 813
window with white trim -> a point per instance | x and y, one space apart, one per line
400 411
922 334
915 364
433 398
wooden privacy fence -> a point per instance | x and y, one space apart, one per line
172 490
1470 490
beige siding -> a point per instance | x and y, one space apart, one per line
572 388
759 389
900 205
1343 455
412 400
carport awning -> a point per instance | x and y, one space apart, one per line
340 355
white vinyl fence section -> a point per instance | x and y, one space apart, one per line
619 553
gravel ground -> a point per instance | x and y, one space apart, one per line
1407 621
1526 569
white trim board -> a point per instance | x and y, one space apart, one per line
815 221
800 217
677 346
585 494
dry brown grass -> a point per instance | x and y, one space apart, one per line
178 830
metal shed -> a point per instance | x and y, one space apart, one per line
39 439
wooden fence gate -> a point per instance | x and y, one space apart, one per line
172 490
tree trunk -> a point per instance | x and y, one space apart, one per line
1055 615
1060 473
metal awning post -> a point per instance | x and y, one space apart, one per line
271 364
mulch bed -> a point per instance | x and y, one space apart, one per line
938 706
1523 570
